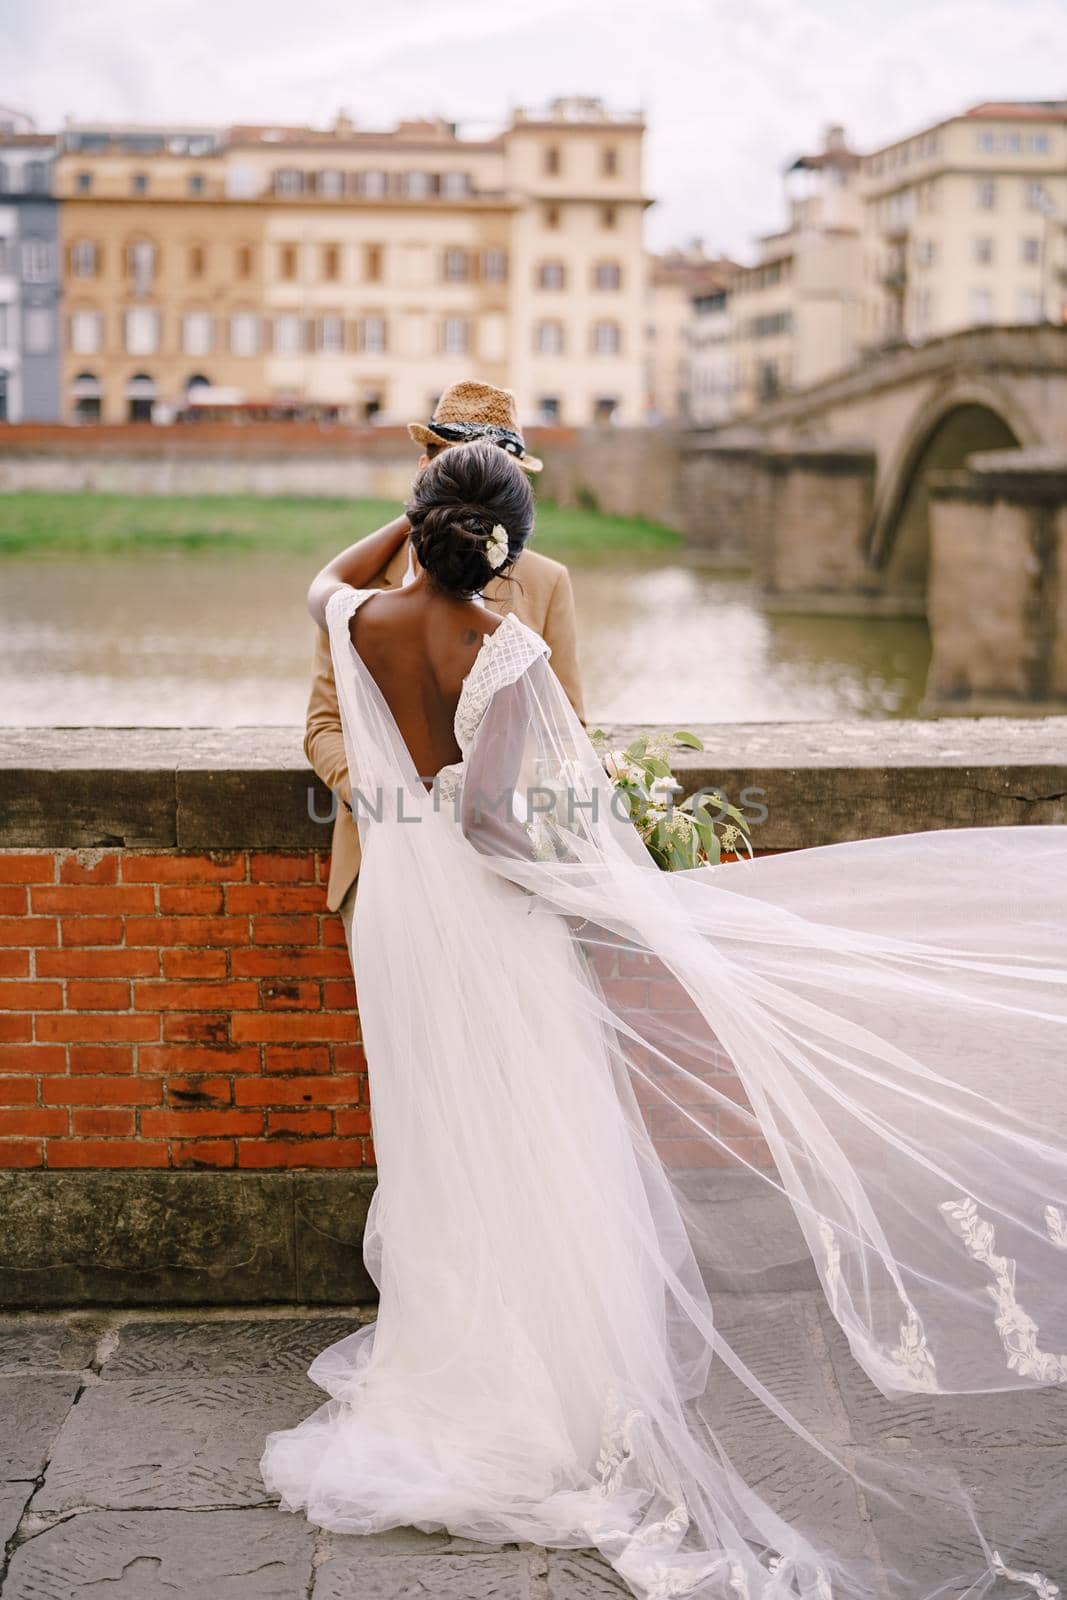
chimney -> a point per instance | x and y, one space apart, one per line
343 125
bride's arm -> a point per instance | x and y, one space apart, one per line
355 567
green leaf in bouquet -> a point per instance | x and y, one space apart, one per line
635 751
690 740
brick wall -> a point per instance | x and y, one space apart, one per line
176 1010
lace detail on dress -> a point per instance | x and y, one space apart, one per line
504 656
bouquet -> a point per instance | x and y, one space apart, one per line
693 833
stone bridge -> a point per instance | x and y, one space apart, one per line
930 480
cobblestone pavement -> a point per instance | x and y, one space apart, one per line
129 1444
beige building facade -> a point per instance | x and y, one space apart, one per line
355 272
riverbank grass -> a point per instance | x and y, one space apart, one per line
59 524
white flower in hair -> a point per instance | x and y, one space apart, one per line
496 550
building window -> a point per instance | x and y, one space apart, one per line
552 275
604 408
370 334
35 177
549 409
244 260
986 141
456 266
331 262
85 392
981 305
38 261
288 181
83 182
607 275
550 216
287 261
1030 252
983 251
38 323
83 259
372 263
418 185
288 334
1030 307
1038 144
607 338
244 333
197 260
553 162
196 183
1035 198
139 183
494 266
455 184
141 331
985 194
455 336
198 334
609 161
86 332
608 216
141 265
331 334
925 252
140 397
548 338
331 184
373 185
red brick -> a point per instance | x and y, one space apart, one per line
300 1153
195 996
192 1092
32 1121
21 1153
95 1122
272 868
195 963
27 868
30 996
98 964
312 1092
296 1058
167 1058
285 930
91 930
16 963
104 870
300 1122
204 1153
281 994
307 962
183 869
352 1121
100 900
199 1124
13 900
28 932
261 897
96 1027
32 1058
333 932
202 900
16 1028
349 1058
18 1091
340 995
290 1027
84 995
102 1059
130 1090
195 931
106 1153
200 1027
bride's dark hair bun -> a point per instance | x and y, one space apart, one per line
456 502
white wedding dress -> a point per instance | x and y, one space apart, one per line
567 1047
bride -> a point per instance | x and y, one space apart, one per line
564 1045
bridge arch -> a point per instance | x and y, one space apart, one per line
959 419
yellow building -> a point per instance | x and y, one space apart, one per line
966 223
677 279
356 271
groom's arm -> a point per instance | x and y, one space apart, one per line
560 633
324 740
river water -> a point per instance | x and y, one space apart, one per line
214 639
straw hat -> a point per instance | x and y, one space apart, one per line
471 410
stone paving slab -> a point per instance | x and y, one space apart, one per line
32 1409
442 1576
49 1343
214 1346
182 1443
583 1575
13 1498
149 1555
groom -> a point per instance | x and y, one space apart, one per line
537 590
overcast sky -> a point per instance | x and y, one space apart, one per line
731 88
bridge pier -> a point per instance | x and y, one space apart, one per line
997 600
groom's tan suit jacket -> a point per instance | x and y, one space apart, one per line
539 593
